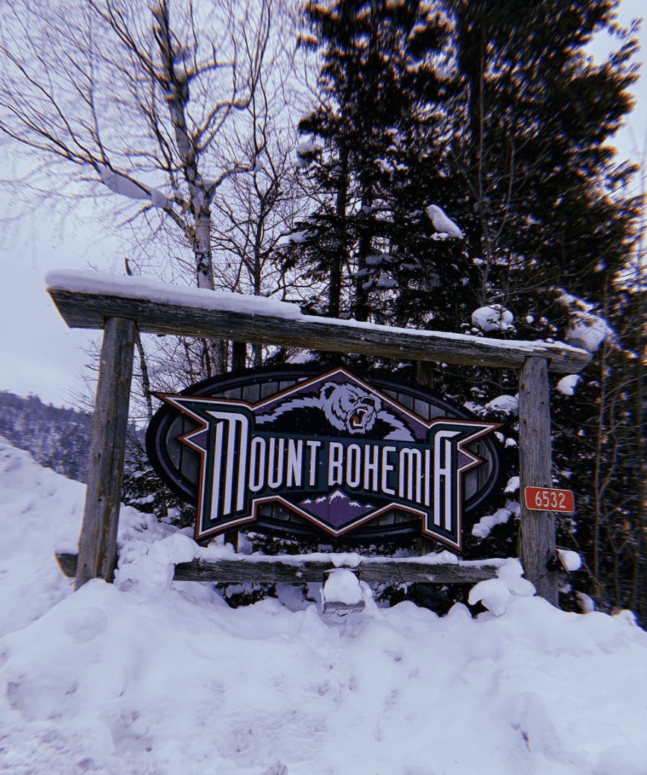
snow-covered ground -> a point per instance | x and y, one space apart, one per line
151 677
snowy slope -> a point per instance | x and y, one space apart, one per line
151 677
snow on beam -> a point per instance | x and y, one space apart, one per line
89 299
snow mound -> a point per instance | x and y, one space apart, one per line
149 676
496 594
342 586
570 560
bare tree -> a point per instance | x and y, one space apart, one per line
255 211
145 100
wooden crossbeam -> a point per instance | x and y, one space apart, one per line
81 309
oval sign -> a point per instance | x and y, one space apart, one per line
314 455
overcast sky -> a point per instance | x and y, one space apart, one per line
38 353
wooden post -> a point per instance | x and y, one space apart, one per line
537 531
98 540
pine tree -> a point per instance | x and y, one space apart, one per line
536 157
379 119
503 120
552 228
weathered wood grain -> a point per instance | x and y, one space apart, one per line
537 528
236 571
86 310
271 571
98 540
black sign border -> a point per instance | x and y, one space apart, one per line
216 387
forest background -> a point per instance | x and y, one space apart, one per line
302 153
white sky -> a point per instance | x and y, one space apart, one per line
39 354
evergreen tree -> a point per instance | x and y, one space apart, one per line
535 156
374 160
503 119
551 230
57 438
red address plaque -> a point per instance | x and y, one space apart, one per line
544 499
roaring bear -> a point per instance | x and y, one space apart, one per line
338 410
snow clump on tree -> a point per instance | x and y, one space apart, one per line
442 222
566 386
586 329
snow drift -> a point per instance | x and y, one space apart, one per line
154 677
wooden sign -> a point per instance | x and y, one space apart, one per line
330 455
126 306
545 499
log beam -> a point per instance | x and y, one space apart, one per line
81 309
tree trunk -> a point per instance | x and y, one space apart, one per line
338 261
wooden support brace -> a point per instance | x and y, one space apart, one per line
537 530
132 308
98 540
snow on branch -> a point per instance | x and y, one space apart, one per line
442 222
121 184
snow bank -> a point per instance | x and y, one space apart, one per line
154 677
39 510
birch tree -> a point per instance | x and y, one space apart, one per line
143 100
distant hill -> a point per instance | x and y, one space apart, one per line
57 438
